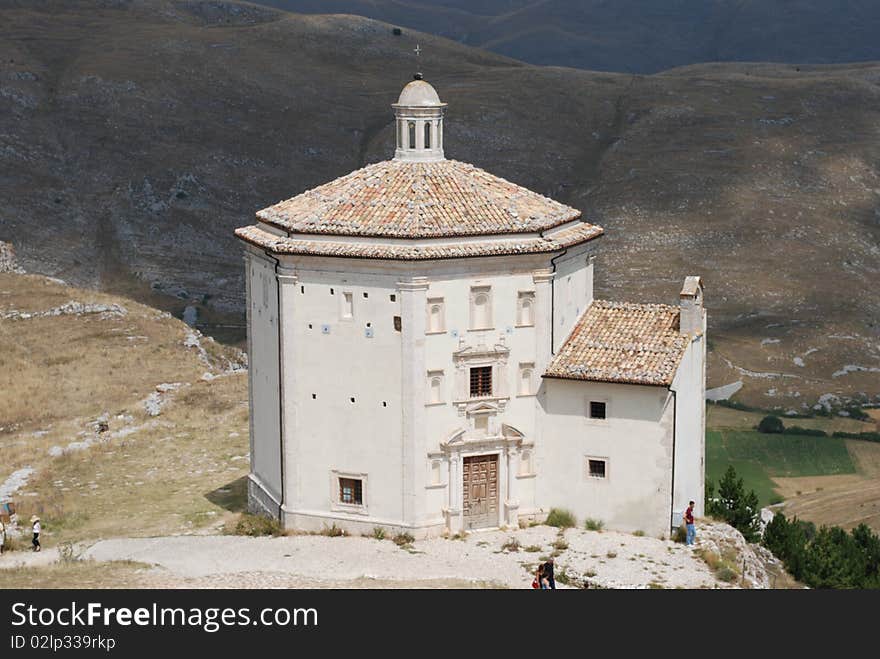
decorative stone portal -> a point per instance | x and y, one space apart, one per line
479 481
482 478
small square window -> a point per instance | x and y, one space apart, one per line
596 468
597 409
351 491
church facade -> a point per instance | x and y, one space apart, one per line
426 355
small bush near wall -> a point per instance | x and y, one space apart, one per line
594 524
255 525
561 518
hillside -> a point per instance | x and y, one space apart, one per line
134 137
635 36
115 418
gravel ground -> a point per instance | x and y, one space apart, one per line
606 559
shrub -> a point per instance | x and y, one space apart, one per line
403 539
256 525
533 548
561 518
512 544
594 524
808 432
333 531
639 534
378 533
771 424
727 574
868 436
679 535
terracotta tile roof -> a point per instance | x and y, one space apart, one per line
418 200
305 244
622 342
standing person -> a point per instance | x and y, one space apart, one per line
2 536
689 525
548 574
37 528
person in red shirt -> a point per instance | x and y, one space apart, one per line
689 524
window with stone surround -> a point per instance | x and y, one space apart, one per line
435 387
481 307
525 309
526 376
436 315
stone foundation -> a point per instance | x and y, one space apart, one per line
260 502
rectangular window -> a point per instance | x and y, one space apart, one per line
481 381
351 491
347 305
596 468
597 409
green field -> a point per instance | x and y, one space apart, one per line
757 457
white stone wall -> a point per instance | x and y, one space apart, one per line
263 375
342 393
690 431
635 439
572 291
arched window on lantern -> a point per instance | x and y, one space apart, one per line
427 134
412 135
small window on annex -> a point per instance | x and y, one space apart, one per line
596 468
525 309
481 308
597 409
481 381
351 491
436 315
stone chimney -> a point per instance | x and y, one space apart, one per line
691 305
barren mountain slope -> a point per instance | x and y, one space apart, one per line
635 36
134 138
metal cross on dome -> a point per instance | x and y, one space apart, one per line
417 50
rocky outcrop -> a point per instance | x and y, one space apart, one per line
7 258
750 560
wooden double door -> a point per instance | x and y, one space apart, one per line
480 491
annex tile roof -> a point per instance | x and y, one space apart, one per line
305 244
404 199
622 342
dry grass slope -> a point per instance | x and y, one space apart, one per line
178 471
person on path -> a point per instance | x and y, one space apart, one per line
689 525
37 528
2 536
548 574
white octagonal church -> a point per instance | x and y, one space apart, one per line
427 356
